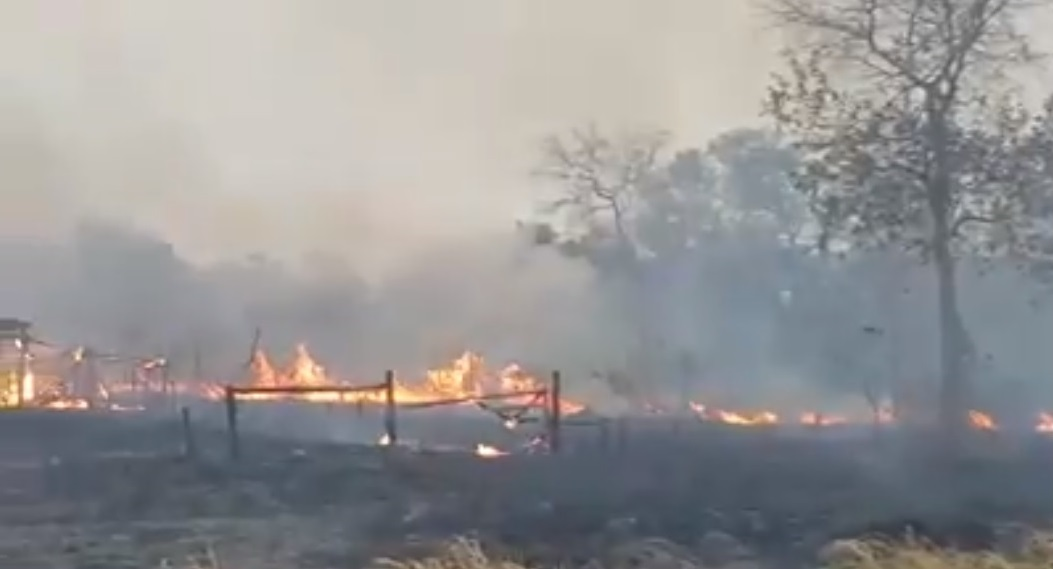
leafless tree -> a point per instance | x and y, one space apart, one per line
600 181
600 178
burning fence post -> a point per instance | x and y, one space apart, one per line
555 413
168 385
390 427
232 421
23 365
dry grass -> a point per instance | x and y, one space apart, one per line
458 554
1036 553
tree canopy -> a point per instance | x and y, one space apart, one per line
911 134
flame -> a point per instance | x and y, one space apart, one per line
761 418
1045 423
487 451
977 419
467 377
821 420
67 404
982 421
28 386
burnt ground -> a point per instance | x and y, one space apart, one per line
106 491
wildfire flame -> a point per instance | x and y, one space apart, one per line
734 418
977 419
1045 423
821 420
467 377
464 380
487 451
982 421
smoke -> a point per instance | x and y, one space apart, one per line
285 126
126 290
376 153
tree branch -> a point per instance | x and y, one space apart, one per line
968 218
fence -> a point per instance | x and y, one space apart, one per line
549 395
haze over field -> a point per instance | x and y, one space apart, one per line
345 122
383 150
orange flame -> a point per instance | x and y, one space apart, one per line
467 377
1045 423
487 451
821 420
982 421
762 418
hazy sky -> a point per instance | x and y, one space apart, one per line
293 124
365 127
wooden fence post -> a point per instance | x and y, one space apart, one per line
622 424
232 422
555 389
23 366
189 445
605 435
390 422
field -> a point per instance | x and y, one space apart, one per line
113 491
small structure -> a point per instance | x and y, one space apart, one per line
17 386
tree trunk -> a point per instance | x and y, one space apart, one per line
954 379
954 383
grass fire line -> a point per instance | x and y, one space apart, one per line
466 381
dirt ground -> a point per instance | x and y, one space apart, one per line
114 491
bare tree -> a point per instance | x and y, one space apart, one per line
599 180
904 113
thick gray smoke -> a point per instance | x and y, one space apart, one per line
125 290
376 154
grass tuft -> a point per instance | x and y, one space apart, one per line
1035 553
458 554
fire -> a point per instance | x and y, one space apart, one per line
982 421
1045 423
67 404
487 451
977 419
762 418
821 420
466 378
